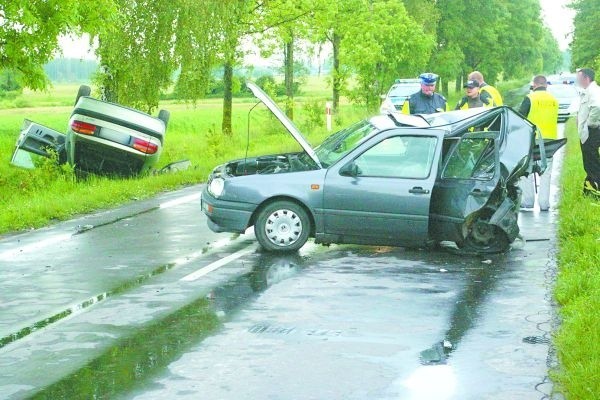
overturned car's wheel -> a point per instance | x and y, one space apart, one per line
484 238
164 116
83 91
282 226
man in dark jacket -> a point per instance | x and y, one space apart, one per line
473 98
425 101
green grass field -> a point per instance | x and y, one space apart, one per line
578 286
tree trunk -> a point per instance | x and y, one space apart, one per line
336 71
288 57
444 87
458 83
227 97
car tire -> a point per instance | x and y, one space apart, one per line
83 91
484 238
282 226
164 116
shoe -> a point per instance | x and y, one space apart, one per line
591 190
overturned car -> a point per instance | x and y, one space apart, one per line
101 138
389 180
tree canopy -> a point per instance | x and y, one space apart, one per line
146 47
586 40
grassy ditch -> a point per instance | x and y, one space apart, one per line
578 286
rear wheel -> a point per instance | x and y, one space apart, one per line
83 91
282 226
164 116
485 238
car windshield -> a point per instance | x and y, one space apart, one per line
403 90
563 90
341 143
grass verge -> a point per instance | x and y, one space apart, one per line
577 288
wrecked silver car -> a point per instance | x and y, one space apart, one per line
101 138
389 180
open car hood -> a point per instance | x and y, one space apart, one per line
285 121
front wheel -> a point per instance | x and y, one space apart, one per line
83 91
485 238
282 226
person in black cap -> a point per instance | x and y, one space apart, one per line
425 101
473 98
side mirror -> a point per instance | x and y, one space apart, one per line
351 170
383 96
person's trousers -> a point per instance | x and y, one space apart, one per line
590 151
527 186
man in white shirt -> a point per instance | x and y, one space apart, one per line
588 124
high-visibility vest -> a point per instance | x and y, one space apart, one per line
543 113
496 96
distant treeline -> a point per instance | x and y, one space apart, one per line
71 70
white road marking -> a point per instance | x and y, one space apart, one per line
218 264
9 255
180 201
12 253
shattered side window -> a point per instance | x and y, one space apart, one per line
472 158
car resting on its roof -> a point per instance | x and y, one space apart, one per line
389 180
102 138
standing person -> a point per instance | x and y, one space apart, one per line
486 90
541 108
425 101
588 124
473 99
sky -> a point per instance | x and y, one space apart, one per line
559 19
556 15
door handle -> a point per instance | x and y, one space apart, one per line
418 190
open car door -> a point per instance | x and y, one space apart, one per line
37 140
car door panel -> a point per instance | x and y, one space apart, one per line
390 209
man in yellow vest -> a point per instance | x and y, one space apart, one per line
473 98
541 108
485 89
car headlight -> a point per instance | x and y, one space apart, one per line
216 187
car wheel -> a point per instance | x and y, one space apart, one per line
164 116
83 91
282 226
484 238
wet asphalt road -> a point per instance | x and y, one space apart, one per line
145 302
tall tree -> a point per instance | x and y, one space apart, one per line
287 21
29 32
586 40
387 43
140 53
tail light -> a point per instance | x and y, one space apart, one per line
83 127
144 146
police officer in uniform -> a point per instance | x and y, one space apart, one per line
473 98
425 101
541 108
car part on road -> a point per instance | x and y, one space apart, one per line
102 138
386 180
